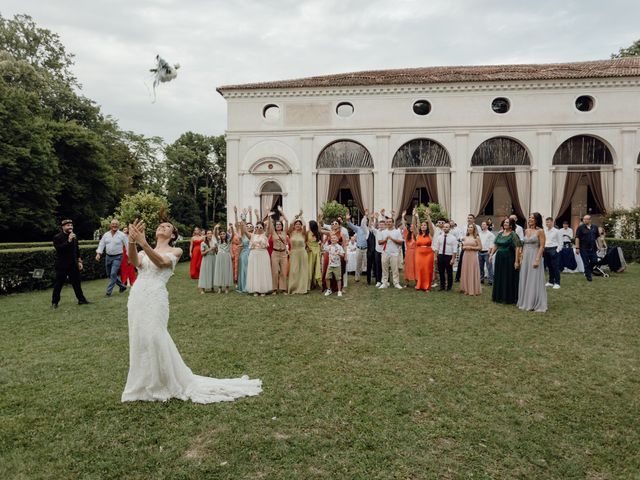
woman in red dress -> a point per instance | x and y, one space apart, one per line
424 252
127 271
195 253
410 251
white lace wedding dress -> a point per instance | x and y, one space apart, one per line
156 369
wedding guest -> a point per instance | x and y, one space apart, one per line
506 249
519 231
236 248
567 255
336 229
259 279
552 248
113 241
362 234
280 252
470 265
489 224
313 241
208 248
486 238
68 263
195 253
127 271
424 254
446 246
586 246
471 220
377 229
244 231
352 253
532 294
371 252
410 249
391 241
223 272
299 261
336 256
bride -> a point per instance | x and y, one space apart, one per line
156 369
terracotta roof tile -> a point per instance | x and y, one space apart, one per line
623 67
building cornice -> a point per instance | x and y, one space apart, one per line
599 83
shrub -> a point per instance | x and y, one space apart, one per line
145 206
17 266
622 223
14 245
436 212
332 210
630 248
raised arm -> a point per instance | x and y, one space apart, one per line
285 224
159 260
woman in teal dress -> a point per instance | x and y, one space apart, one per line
243 260
506 250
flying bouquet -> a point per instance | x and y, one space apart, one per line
164 72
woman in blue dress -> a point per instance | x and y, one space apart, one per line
243 260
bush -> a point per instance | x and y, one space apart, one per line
332 210
14 245
145 206
622 223
630 248
436 212
17 266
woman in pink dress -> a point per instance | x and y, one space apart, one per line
470 275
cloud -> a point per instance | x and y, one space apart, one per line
220 42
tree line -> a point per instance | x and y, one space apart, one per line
61 156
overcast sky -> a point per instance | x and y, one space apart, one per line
228 42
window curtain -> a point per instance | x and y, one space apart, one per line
323 188
558 183
410 185
366 187
595 183
334 187
607 179
477 183
443 181
431 185
523 183
354 185
571 183
267 200
512 187
397 190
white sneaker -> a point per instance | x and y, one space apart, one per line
548 284
327 293
556 287
378 285
382 286
339 293
397 285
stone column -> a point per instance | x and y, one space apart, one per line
542 176
626 176
307 195
233 174
460 179
382 181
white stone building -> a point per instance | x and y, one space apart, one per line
561 139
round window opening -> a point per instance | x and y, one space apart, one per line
500 105
271 112
585 103
344 109
421 107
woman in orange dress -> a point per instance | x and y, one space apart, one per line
423 233
410 251
236 248
195 253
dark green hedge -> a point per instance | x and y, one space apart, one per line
630 248
17 265
16 245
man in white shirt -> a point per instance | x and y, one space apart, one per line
391 241
378 229
446 247
552 247
114 242
486 238
566 233
519 230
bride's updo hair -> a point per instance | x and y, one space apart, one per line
164 218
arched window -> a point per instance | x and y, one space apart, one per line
500 151
270 198
583 150
345 154
421 153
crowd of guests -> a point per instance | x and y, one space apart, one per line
276 255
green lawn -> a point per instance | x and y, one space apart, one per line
378 384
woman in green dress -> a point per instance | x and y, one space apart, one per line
314 237
506 249
298 262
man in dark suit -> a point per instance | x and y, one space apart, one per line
68 263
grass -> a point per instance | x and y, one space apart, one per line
376 385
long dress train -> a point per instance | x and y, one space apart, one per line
156 369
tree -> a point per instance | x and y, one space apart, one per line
146 206
631 51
